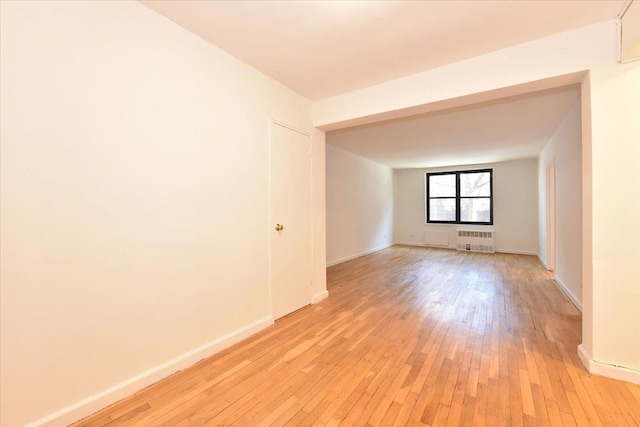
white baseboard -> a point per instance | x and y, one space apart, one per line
358 255
410 244
565 289
423 245
607 370
515 252
543 262
91 404
502 251
319 297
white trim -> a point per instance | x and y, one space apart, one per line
619 39
419 244
319 297
284 125
502 251
91 404
515 252
543 262
424 245
358 255
565 289
607 370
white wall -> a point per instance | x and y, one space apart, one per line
359 205
134 202
564 150
514 211
318 203
611 296
615 136
549 57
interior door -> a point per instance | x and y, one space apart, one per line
290 215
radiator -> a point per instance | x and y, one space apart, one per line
476 241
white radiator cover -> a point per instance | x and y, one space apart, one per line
475 240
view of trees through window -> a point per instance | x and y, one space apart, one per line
460 197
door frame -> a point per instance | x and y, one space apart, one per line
270 220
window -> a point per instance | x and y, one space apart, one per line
461 197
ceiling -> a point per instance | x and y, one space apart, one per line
500 130
325 48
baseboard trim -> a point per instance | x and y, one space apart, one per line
515 252
607 370
319 297
423 245
414 244
358 255
502 251
88 406
543 262
565 289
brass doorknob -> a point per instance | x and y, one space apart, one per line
279 227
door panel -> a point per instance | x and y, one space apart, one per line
290 208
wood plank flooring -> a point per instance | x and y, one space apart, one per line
409 336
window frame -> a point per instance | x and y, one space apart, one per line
458 197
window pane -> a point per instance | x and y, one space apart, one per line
442 209
442 186
475 210
475 184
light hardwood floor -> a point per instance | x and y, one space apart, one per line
408 336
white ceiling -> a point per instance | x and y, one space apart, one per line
506 129
325 48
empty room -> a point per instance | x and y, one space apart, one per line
319 213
